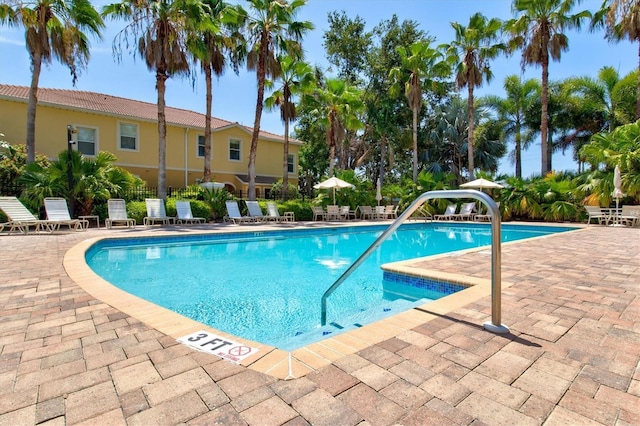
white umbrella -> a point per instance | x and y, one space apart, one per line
481 184
617 186
333 183
378 191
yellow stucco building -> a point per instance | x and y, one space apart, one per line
128 129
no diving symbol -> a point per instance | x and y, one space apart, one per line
239 350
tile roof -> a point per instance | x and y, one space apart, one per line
113 105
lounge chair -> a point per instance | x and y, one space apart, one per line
255 211
117 209
58 215
630 215
20 218
156 213
421 214
233 214
185 216
274 214
466 211
318 212
449 213
484 216
596 212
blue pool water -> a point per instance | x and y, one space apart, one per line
267 286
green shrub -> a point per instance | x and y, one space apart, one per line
137 210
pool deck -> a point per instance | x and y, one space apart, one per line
572 357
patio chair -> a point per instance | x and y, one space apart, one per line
255 211
466 211
333 213
379 213
20 218
366 212
233 214
117 209
156 213
58 215
184 214
630 215
596 212
449 213
318 212
391 212
346 213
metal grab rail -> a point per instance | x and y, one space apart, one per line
495 325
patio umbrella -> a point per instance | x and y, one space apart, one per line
378 191
617 186
481 184
333 183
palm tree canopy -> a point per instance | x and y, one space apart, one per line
473 47
540 28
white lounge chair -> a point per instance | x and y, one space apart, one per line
630 215
20 218
274 214
233 214
156 213
449 213
58 215
255 211
466 211
596 212
185 216
484 216
117 209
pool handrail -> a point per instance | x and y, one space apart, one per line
495 324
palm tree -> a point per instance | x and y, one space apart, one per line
511 112
337 106
539 30
598 92
474 46
159 29
622 20
53 29
296 78
424 65
210 42
272 29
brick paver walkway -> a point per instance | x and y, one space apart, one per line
572 357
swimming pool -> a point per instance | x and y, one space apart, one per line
266 286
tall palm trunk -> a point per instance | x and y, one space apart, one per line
544 118
285 161
261 74
161 79
207 124
415 145
36 67
332 140
518 149
470 155
638 96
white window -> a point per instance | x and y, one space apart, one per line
200 146
291 163
128 136
88 141
234 149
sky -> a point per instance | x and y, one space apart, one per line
234 95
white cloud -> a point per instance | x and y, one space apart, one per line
14 42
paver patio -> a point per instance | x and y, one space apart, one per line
572 356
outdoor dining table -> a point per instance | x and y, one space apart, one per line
612 215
